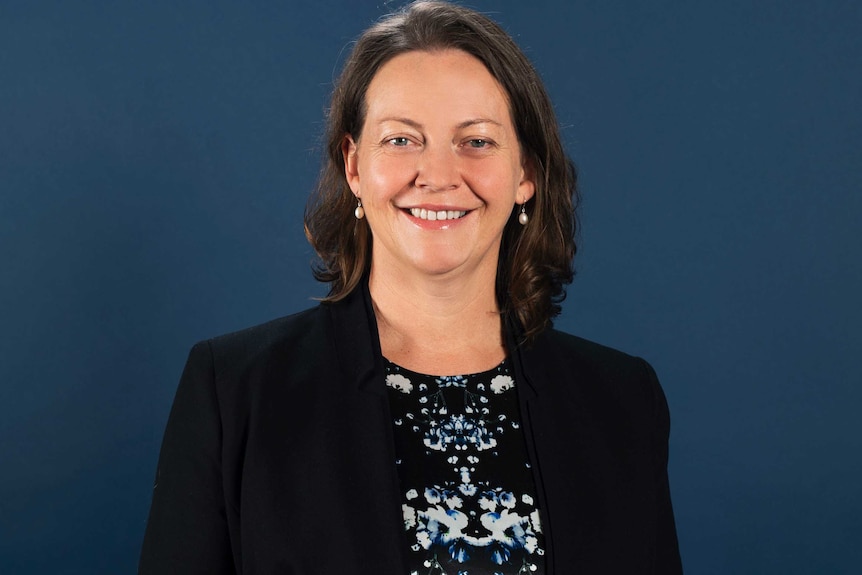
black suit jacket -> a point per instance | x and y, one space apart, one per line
278 456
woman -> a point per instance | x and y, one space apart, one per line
425 417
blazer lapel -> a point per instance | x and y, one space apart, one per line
353 331
550 405
530 373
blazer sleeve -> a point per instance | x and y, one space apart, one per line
187 531
667 558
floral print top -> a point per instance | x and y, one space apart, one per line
468 493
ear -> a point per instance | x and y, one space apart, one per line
351 164
527 187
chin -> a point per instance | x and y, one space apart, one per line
438 270
438 266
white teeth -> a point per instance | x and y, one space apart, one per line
431 215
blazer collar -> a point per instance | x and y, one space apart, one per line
528 371
353 329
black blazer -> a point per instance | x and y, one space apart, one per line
278 456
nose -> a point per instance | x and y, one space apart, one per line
437 168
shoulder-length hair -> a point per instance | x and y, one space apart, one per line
535 262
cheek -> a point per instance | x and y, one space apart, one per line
383 176
493 181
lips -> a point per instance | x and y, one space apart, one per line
432 215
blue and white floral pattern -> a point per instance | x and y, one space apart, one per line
469 502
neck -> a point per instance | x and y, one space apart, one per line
442 325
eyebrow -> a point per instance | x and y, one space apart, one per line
462 125
473 122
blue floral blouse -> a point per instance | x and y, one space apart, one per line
468 493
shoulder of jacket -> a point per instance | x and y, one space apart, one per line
283 333
568 344
601 372
584 356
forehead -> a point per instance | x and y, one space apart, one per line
442 83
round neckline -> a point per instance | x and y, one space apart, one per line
502 365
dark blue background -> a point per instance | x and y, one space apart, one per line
154 162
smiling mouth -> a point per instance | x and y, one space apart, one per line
432 215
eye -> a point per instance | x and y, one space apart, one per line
398 141
478 143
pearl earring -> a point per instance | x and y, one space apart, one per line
359 212
523 218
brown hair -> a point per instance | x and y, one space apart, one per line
535 262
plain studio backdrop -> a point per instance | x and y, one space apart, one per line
155 158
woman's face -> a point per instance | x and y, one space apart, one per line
438 165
